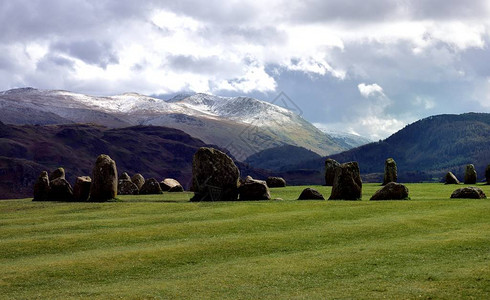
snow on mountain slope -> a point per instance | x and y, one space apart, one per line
241 124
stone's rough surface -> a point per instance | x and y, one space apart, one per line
469 193
390 171
81 190
139 180
310 194
487 174
330 168
391 191
252 189
275 182
470 174
41 187
127 187
347 184
104 179
214 176
171 185
58 173
451 179
124 176
60 190
151 187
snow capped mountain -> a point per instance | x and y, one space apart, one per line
243 125
348 139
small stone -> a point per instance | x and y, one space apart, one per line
81 190
469 193
274 182
310 194
391 191
151 187
451 179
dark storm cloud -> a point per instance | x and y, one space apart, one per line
91 52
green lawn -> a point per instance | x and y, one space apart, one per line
165 247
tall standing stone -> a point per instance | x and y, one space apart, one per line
41 187
139 180
58 173
60 190
331 166
214 176
347 184
81 190
104 182
470 174
390 171
487 174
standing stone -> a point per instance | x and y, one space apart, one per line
451 178
487 174
171 185
139 180
275 182
469 193
60 190
390 171
104 182
58 173
391 191
124 176
41 187
252 189
151 187
347 184
470 174
127 187
330 168
81 190
310 194
214 176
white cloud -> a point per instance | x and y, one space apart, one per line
368 90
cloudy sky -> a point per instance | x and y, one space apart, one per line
366 67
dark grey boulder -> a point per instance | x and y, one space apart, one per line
469 193
124 176
390 174
60 190
273 182
127 187
470 174
451 179
252 189
331 166
104 179
214 176
392 191
41 187
171 185
347 184
310 194
151 187
139 180
58 173
81 190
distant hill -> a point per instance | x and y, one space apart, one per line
154 151
424 150
276 158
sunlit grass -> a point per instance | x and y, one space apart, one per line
163 246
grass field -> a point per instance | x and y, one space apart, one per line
165 247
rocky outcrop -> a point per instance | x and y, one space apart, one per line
331 166
214 176
171 185
470 174
392 191
41 187
273 182
469 193
104 179
127 187
451 179
58 173
347 184
139 180
60 190
251 189
151 187
310 194
81 190
390 171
